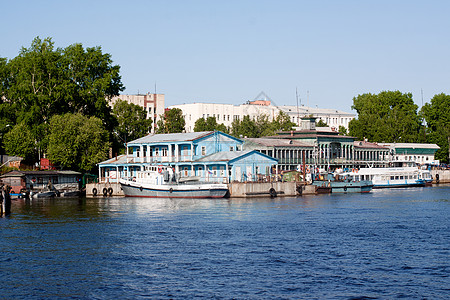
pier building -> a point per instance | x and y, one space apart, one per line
211 155
319 147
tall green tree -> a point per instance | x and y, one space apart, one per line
19 142
77 142
132 122
283 122
209 124
437 117
390 116
43 81
245 128
171 122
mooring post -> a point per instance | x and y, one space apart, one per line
7 201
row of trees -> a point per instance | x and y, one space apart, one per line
54 102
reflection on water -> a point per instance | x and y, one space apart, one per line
385 244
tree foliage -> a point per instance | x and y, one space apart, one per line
321 123
171 122
209 124
77 142
389 116
19 141
437 117
42 82
261 126
132 121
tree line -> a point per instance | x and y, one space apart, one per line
54 102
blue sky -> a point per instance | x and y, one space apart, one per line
230 51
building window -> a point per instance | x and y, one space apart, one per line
164 152
238 147
231 148
203 150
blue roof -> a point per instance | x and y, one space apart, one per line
232 155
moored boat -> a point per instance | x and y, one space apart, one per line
341 183
391 177
161 182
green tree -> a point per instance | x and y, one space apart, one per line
43 81
77 142
321 123
19 142
283 122
171 122
389 116
264 126
132 122
342 130
209 124
437 117
245 128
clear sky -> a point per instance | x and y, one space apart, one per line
229 51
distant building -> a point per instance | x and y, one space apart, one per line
413 152
152 103
227 113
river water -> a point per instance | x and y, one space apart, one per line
382 245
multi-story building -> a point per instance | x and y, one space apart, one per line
152 103
227 113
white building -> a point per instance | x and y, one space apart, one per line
152 103
226 113
413 152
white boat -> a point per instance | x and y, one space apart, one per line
391 177
161 182
426 176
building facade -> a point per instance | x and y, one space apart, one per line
211 155
152 103
413 152
227 113
319 147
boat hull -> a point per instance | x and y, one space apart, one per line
345 186
133 189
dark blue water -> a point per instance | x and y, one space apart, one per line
382 245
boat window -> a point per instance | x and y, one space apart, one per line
401 177
392 177
396 177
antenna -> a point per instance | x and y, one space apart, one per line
298 113
421 91
307 98
155 87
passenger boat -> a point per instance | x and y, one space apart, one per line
341 183
161 182
391 177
